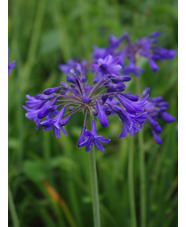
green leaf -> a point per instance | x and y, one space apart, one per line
49 42
34 170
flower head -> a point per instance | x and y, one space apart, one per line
105 97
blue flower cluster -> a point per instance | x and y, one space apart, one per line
127 51
53 108
105 95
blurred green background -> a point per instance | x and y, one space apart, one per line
48 177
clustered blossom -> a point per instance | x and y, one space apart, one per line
105 95
125 50
156 109
102 97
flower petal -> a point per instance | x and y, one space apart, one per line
101 115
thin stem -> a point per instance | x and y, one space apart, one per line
138 86
94 188
131 183
59 20
93 79
76 109
35 38
141 169
12 209
85 118
142 179
100 93
95 88
109 93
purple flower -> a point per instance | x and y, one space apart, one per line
38 109
132 68
114 42
138 121
105 97
126 50
107 66
72 65
11 66
156 109
66 68
101 115
161 53
99 52
132 115
55 123
93 139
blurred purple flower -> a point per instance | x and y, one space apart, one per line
10 65
156 109
125 50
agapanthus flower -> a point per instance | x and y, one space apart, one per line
126 50
108 65
156 109
53 108
11 65
70 64
92 139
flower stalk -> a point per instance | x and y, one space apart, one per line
131 183
142 179
94 188
141 168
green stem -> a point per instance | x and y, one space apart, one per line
12 209
142 179
141 169
58 18
131 183
35 38
94 188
